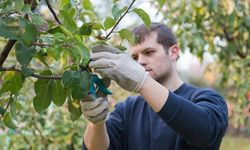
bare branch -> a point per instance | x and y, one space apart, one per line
53 12
52 77
120 19
6 51
8 105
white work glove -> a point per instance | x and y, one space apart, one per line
119 66
96 110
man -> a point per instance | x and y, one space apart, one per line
168 114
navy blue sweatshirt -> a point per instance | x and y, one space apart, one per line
191 119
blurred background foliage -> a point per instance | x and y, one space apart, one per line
211 30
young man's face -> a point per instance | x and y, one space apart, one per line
152 56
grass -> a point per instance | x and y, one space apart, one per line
235 142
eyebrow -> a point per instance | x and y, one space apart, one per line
146 49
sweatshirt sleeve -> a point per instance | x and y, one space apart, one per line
116 127
201 121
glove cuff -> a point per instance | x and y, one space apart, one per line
141 83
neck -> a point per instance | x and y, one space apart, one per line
173 82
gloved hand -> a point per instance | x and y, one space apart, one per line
96 110
117 65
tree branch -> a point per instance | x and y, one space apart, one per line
8 105
53 12
229 38
6 51
54 77
11 42
119 20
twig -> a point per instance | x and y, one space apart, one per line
55 77
9 13
41 44
241 54
53 12
8 105
6 51
44 44
119 20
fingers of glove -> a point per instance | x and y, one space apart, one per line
100 55
106 81
87 98
105 72
102 63
105 48
97 110
88 105
102 116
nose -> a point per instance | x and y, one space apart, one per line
141 60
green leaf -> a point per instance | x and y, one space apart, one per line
83 52
55 30
79 82
40 104
9 28
66 31
68 79
16 82
87 5
109 22
24 54
161 2
8 121
59 94
74 109
128 35
36 19
27 71
144 16
43 96
29 34
97 26
247 21
86 29
81 89
120 47
40 56
90 14
55 51
116 12
68 21
13 110
43 92
12 82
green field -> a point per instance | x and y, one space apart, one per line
235 143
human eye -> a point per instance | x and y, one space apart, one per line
135 57
149 52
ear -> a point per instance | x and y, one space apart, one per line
174 52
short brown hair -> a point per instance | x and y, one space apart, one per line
165 36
